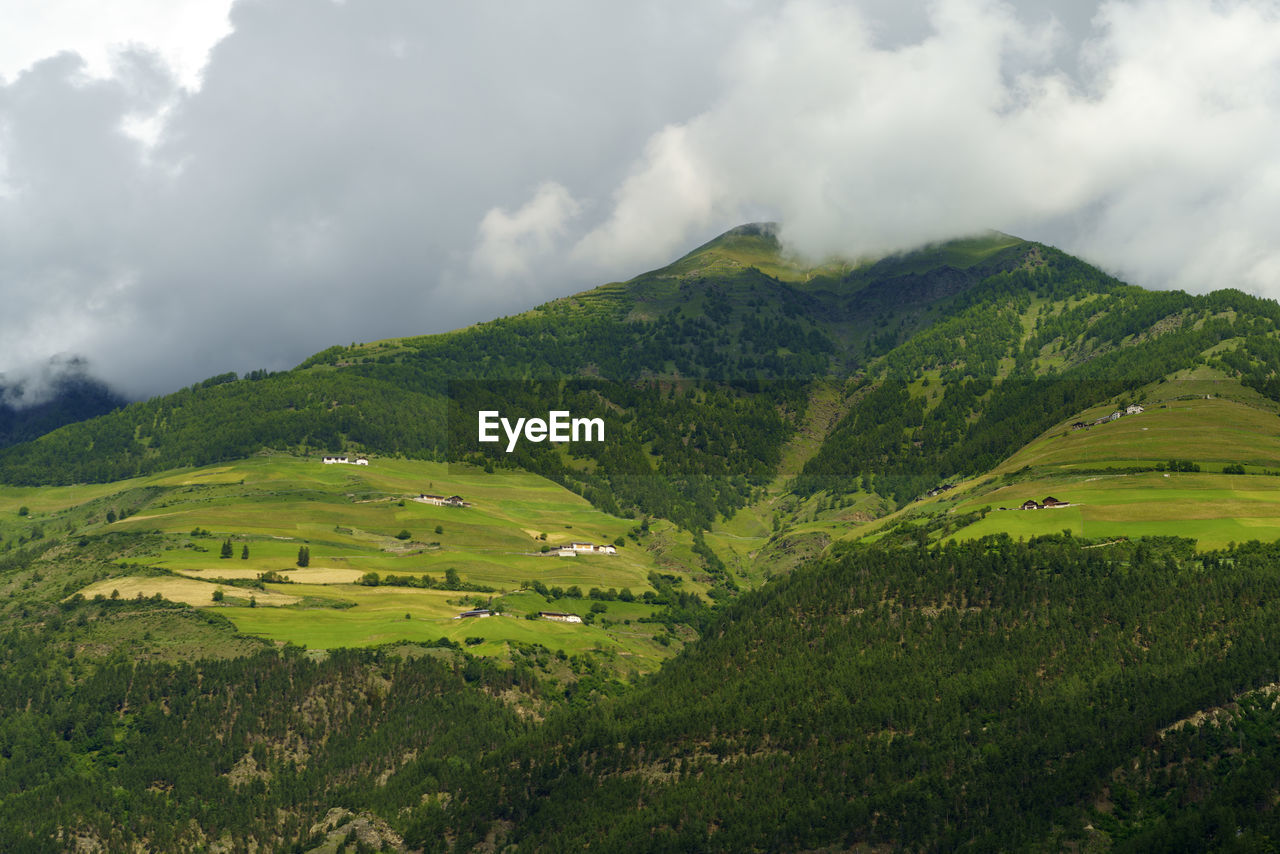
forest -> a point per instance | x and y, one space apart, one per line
971 696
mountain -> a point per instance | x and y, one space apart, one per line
813 617
71 397
976 697
932 365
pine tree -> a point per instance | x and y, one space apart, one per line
244 552
304 556
226 548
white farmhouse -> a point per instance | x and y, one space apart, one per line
560 616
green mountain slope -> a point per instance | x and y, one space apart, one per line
1036 347
711 323
745 678
945 361
968 698
383 566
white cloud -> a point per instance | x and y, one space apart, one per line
1167 147
350 171
180 31
510 244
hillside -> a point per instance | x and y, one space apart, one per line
975 698
383 566
709 322
773 405
817 629
70 397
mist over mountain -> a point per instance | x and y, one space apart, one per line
59 392
357 171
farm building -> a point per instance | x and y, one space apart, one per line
1053 502
441 501
478 612
566 552
1133 409
590 548
1031 504
331 460
560 616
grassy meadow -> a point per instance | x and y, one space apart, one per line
1097 470
353 520
1107 474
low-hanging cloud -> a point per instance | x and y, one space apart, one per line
351 171
1157 158
511 244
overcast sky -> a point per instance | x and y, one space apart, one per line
189 187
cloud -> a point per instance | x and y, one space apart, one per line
182 30
328 179
353 171
509 244
1157 159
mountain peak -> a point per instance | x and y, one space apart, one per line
753 244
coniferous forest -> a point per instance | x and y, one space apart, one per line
975 696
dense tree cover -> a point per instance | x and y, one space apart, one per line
1256 361
173 756
1207 784
973 696
1110 338
315 411
71 398
683 451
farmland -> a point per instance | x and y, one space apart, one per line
362 528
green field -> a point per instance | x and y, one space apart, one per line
1107 472
352 520
1214 509
1207 430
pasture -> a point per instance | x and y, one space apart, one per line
357 520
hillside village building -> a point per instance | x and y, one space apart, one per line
360 461
1048 504
441 501
590 548
560 616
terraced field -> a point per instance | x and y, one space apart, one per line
360 520
1098 470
